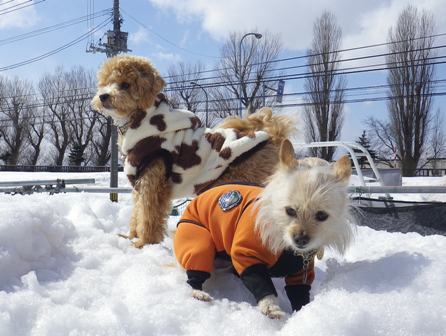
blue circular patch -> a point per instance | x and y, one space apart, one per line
229 200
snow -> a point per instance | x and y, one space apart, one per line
64 271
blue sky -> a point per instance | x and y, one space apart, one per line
169 31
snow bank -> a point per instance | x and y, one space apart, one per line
33 238
64 271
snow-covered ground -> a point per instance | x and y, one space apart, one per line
64 271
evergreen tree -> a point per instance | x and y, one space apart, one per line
364 141
76 155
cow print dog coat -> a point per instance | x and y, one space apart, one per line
194 156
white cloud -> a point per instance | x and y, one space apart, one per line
362 22
17 17
166 56
139 37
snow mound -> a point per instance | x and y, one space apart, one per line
64 271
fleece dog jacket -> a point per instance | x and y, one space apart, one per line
194 156
222 220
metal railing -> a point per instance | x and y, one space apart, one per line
57 169
430 172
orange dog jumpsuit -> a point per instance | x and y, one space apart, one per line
221 221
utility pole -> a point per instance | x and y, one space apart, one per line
116 43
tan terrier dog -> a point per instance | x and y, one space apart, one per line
274 231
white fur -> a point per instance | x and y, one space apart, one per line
118 119
269 306
201 295
308 188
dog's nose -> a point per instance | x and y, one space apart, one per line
301 240
104 97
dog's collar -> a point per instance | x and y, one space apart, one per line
307 257
122 129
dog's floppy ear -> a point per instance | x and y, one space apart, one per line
343 168
286 154
158 83
149 84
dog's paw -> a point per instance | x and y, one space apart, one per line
270 307
201 295
139 243
320 253
132 235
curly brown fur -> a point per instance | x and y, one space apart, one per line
131 83
278 127
152 205
255 169
128 84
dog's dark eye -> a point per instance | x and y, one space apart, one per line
124 86
321 216
290 212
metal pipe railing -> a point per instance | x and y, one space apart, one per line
351 190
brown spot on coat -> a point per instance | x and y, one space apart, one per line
216 140
136 118
144 148
238 133
196 122
158 121
186 156
160 98
176 177
226 153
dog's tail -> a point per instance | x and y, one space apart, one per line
279 127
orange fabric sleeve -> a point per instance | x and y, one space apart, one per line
194 248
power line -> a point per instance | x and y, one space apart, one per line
304 75
321 63
16 5
165 39
351 101
326 53
57 50
326 63
52 28
16 9
86 96
6 2
342 71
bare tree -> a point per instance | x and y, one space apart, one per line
182 92
222 104
246 59
54 89
101 141
409 75
35 135
383 140
15 109
324 109
82 119
437 148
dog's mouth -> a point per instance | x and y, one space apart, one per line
107 105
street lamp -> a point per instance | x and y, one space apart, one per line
207 101
257 36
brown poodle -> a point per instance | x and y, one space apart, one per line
169 154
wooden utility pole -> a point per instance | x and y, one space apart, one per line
115 44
